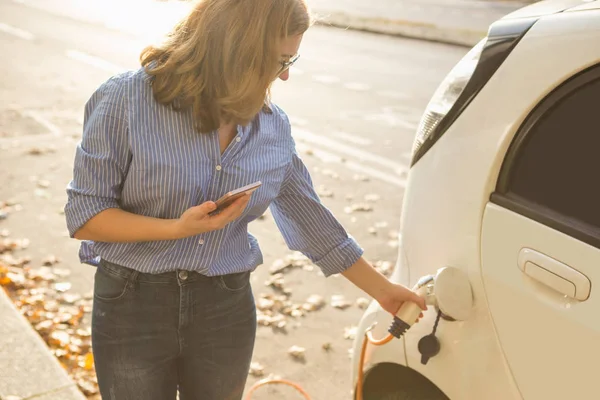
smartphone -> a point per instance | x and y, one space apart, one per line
230 197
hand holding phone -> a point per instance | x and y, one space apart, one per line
205 217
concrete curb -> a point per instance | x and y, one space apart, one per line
403 28
28 370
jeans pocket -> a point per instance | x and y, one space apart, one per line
234 282
109 285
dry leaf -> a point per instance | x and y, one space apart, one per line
88 364
372 197
326 346
297 352
50 260
62 286
330 173
385 267
338 301
314 302
350 333
358 207
322 191
256 369
362 303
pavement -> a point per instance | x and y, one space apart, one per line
364 135
27 369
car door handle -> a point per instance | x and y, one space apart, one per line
555 274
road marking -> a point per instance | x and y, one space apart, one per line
359 87
297 121
351 138
53 129
338 147
95 62
394 95
328 157
20 33
327 79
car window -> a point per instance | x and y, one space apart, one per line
552 170
558 165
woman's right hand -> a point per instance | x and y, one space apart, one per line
196 220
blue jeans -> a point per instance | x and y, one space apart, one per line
153 334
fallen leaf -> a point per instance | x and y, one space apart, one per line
358 207
338 301
89 362
326 346
385 267
50 260
350 333
372 197
314 303
256 369
62 286
43 184
330 173
322 191
297 352
362 303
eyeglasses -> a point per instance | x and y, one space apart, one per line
285 65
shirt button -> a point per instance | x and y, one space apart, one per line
218 167
183 275
238 139
201 241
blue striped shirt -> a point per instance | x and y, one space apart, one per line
147 159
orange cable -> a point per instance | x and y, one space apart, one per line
359 386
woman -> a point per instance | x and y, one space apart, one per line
173 307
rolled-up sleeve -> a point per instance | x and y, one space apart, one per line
101 158
308 226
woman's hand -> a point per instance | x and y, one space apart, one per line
196 220
389 295
392 299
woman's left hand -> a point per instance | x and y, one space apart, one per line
395 295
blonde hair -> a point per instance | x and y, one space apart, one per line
222 59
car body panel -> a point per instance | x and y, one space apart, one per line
550 340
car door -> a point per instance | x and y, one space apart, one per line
540 246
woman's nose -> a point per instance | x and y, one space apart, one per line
285 75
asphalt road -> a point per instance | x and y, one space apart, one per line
354 100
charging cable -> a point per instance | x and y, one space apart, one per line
359 386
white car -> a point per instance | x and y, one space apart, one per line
504 186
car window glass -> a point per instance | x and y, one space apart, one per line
558 164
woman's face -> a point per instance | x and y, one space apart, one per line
288 55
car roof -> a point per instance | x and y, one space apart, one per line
548 7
